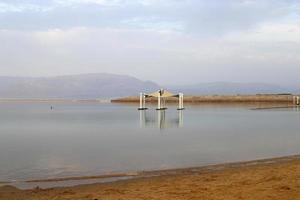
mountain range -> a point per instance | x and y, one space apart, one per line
232 88
104 85
84 86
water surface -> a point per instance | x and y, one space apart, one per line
81 139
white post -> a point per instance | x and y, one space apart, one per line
294 100
158 102
144 100
180 104
181 100
141 100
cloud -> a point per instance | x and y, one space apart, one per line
153 24
269 32
18 8
238 56
240 40
192 16
79 2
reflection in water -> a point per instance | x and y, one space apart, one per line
160 120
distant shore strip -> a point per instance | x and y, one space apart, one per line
264 98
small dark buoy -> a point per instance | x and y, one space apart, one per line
51 107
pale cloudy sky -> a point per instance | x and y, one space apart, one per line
167 41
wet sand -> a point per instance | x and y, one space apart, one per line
277 178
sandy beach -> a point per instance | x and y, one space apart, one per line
277 178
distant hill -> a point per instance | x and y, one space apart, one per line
85 86
230 88
103 85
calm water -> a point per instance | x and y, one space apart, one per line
86 139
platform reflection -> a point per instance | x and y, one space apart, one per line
160 120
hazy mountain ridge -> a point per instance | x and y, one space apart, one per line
85 86
103 85
232 88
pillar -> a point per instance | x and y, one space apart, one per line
142 102
180 103
294 99
159 102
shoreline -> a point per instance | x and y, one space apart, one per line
274 178
116 177
33 100
251 98
258 98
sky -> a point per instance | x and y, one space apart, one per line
166 41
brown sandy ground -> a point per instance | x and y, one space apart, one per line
279 180
263 98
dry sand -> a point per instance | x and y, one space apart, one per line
262 98
268 179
